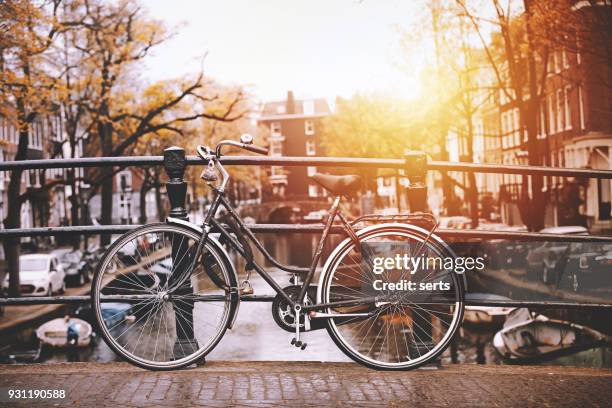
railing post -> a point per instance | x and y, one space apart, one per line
174 164
176 187
416 171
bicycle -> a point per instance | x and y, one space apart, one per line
185 293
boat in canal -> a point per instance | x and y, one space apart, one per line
54 333
486 317
531 338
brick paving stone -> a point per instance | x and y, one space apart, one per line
297 384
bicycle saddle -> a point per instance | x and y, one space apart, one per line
338 185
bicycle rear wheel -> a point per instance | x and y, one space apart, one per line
139 314
397 327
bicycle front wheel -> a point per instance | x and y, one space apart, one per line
395 316
143 312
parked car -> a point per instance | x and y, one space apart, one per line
40 275
113 314
77 270
546 261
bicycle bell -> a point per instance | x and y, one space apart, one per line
210 174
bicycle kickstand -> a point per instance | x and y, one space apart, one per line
296 340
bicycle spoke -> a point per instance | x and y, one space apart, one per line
408 326
169 329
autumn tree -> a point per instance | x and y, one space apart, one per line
113 38
27 89
368 125
84 55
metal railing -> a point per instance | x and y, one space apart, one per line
414 165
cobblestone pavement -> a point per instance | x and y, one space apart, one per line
255 384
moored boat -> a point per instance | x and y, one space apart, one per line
486 316
538 338
55 332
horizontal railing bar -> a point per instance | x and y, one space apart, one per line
52 300
82 162
309 161
535 303
23 301
521 170
309 228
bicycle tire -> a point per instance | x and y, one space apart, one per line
157 310
339 336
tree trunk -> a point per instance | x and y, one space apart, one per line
537 205
105 130
472 187
161 211
74 206
12 247
144 189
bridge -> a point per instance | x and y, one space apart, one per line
308 384
292 382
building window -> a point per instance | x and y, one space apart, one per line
308 107
276 148
517 128
565 59
276 171
275 128
560 110
124 181
311 171
557 61
542 124
309 127
551 114
581 107
36 178
312 190
310 148
566 107
503 129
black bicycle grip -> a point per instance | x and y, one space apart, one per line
255 149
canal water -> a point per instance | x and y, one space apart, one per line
256 336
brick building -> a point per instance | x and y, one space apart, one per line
42 208
574 131
294 131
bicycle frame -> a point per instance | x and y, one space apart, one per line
210 224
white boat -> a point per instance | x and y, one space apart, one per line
526 337
490 316
55 332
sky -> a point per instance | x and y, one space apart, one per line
317 48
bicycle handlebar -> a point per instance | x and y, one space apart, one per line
206 153
249 147
256 149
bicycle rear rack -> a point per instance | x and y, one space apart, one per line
414 218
